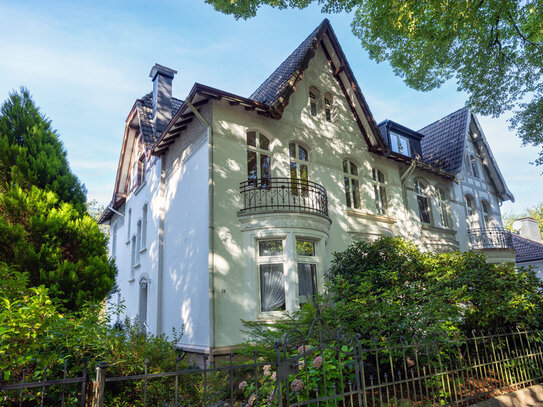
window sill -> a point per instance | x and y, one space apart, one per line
140 187
366 215
427 226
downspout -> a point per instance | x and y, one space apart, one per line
162 193
404 178
211 220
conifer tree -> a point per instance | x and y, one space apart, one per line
31 153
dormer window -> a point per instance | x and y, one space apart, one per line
328 107
314 95
399 144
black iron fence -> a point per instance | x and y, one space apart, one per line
337 371
268 194
490 238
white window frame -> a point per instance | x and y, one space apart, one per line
144 216
328 108
396 145
443 206
304 259
349 182
313 96
259 152
268 260
380 207
422 191
472 213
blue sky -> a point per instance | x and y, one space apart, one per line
86 62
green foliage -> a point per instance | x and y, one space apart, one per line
31 154
493 49
56 245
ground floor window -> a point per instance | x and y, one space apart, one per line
287 272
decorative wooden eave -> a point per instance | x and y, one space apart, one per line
421 165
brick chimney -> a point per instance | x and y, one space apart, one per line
162 96
528 228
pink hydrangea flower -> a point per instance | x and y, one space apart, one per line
301 364
297 385
242 385
274 376
252 400
317 362
267 370
302 349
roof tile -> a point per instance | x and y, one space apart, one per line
527 250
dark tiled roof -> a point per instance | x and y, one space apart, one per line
443 141
527 250
272 88
144 107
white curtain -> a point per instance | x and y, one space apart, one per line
306 280
272 287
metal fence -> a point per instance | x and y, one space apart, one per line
318 370
490 238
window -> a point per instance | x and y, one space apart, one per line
128 226
379 191
399 144
443 206
473 166
138 242
133 257
114 241
137 167
272 277
314 96
422 201
473 221
258 159
467 165
142 312
487 217
352 188
328 107
144 227
298 169
307 270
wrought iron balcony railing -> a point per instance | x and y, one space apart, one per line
269 194
490 238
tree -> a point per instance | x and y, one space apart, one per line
493 49
535 212
31 154
56 245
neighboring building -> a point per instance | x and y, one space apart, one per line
228 208
528 244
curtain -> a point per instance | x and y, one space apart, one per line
272 287
306 281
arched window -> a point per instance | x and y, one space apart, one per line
379 191
421 189
258 159
487 216
299 171
137 168
314 96
142 312
473 166
473 221
328 107
443 206
352 186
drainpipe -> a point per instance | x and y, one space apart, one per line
160 273
211 220
404 178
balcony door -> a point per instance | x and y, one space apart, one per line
258 159
299 169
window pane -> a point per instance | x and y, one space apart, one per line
424 211
302 153
270 247
348 191
328 114
264 142
383 193
404 146
305 247
380 177
394 142
251 165
264 166
354 169
251 138
292 150
293 178
346 167
356 194
313 108
303 173
272 287
374 174
307 281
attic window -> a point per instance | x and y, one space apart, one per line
328 107
399 144
314 101
473 166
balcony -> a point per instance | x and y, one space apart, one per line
490 238
283 194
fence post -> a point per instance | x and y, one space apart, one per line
99 385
